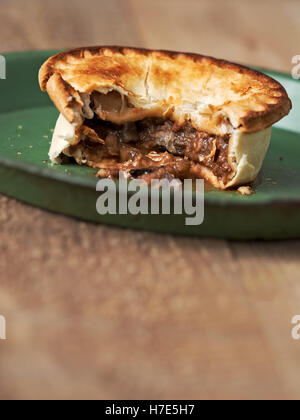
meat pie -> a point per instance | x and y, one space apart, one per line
160 114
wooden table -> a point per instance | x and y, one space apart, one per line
100 312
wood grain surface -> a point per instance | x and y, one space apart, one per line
100 312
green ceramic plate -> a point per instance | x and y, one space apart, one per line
26 120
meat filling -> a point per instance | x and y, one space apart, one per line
151 148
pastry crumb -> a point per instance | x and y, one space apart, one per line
245 190
45 137
20 127
19 153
